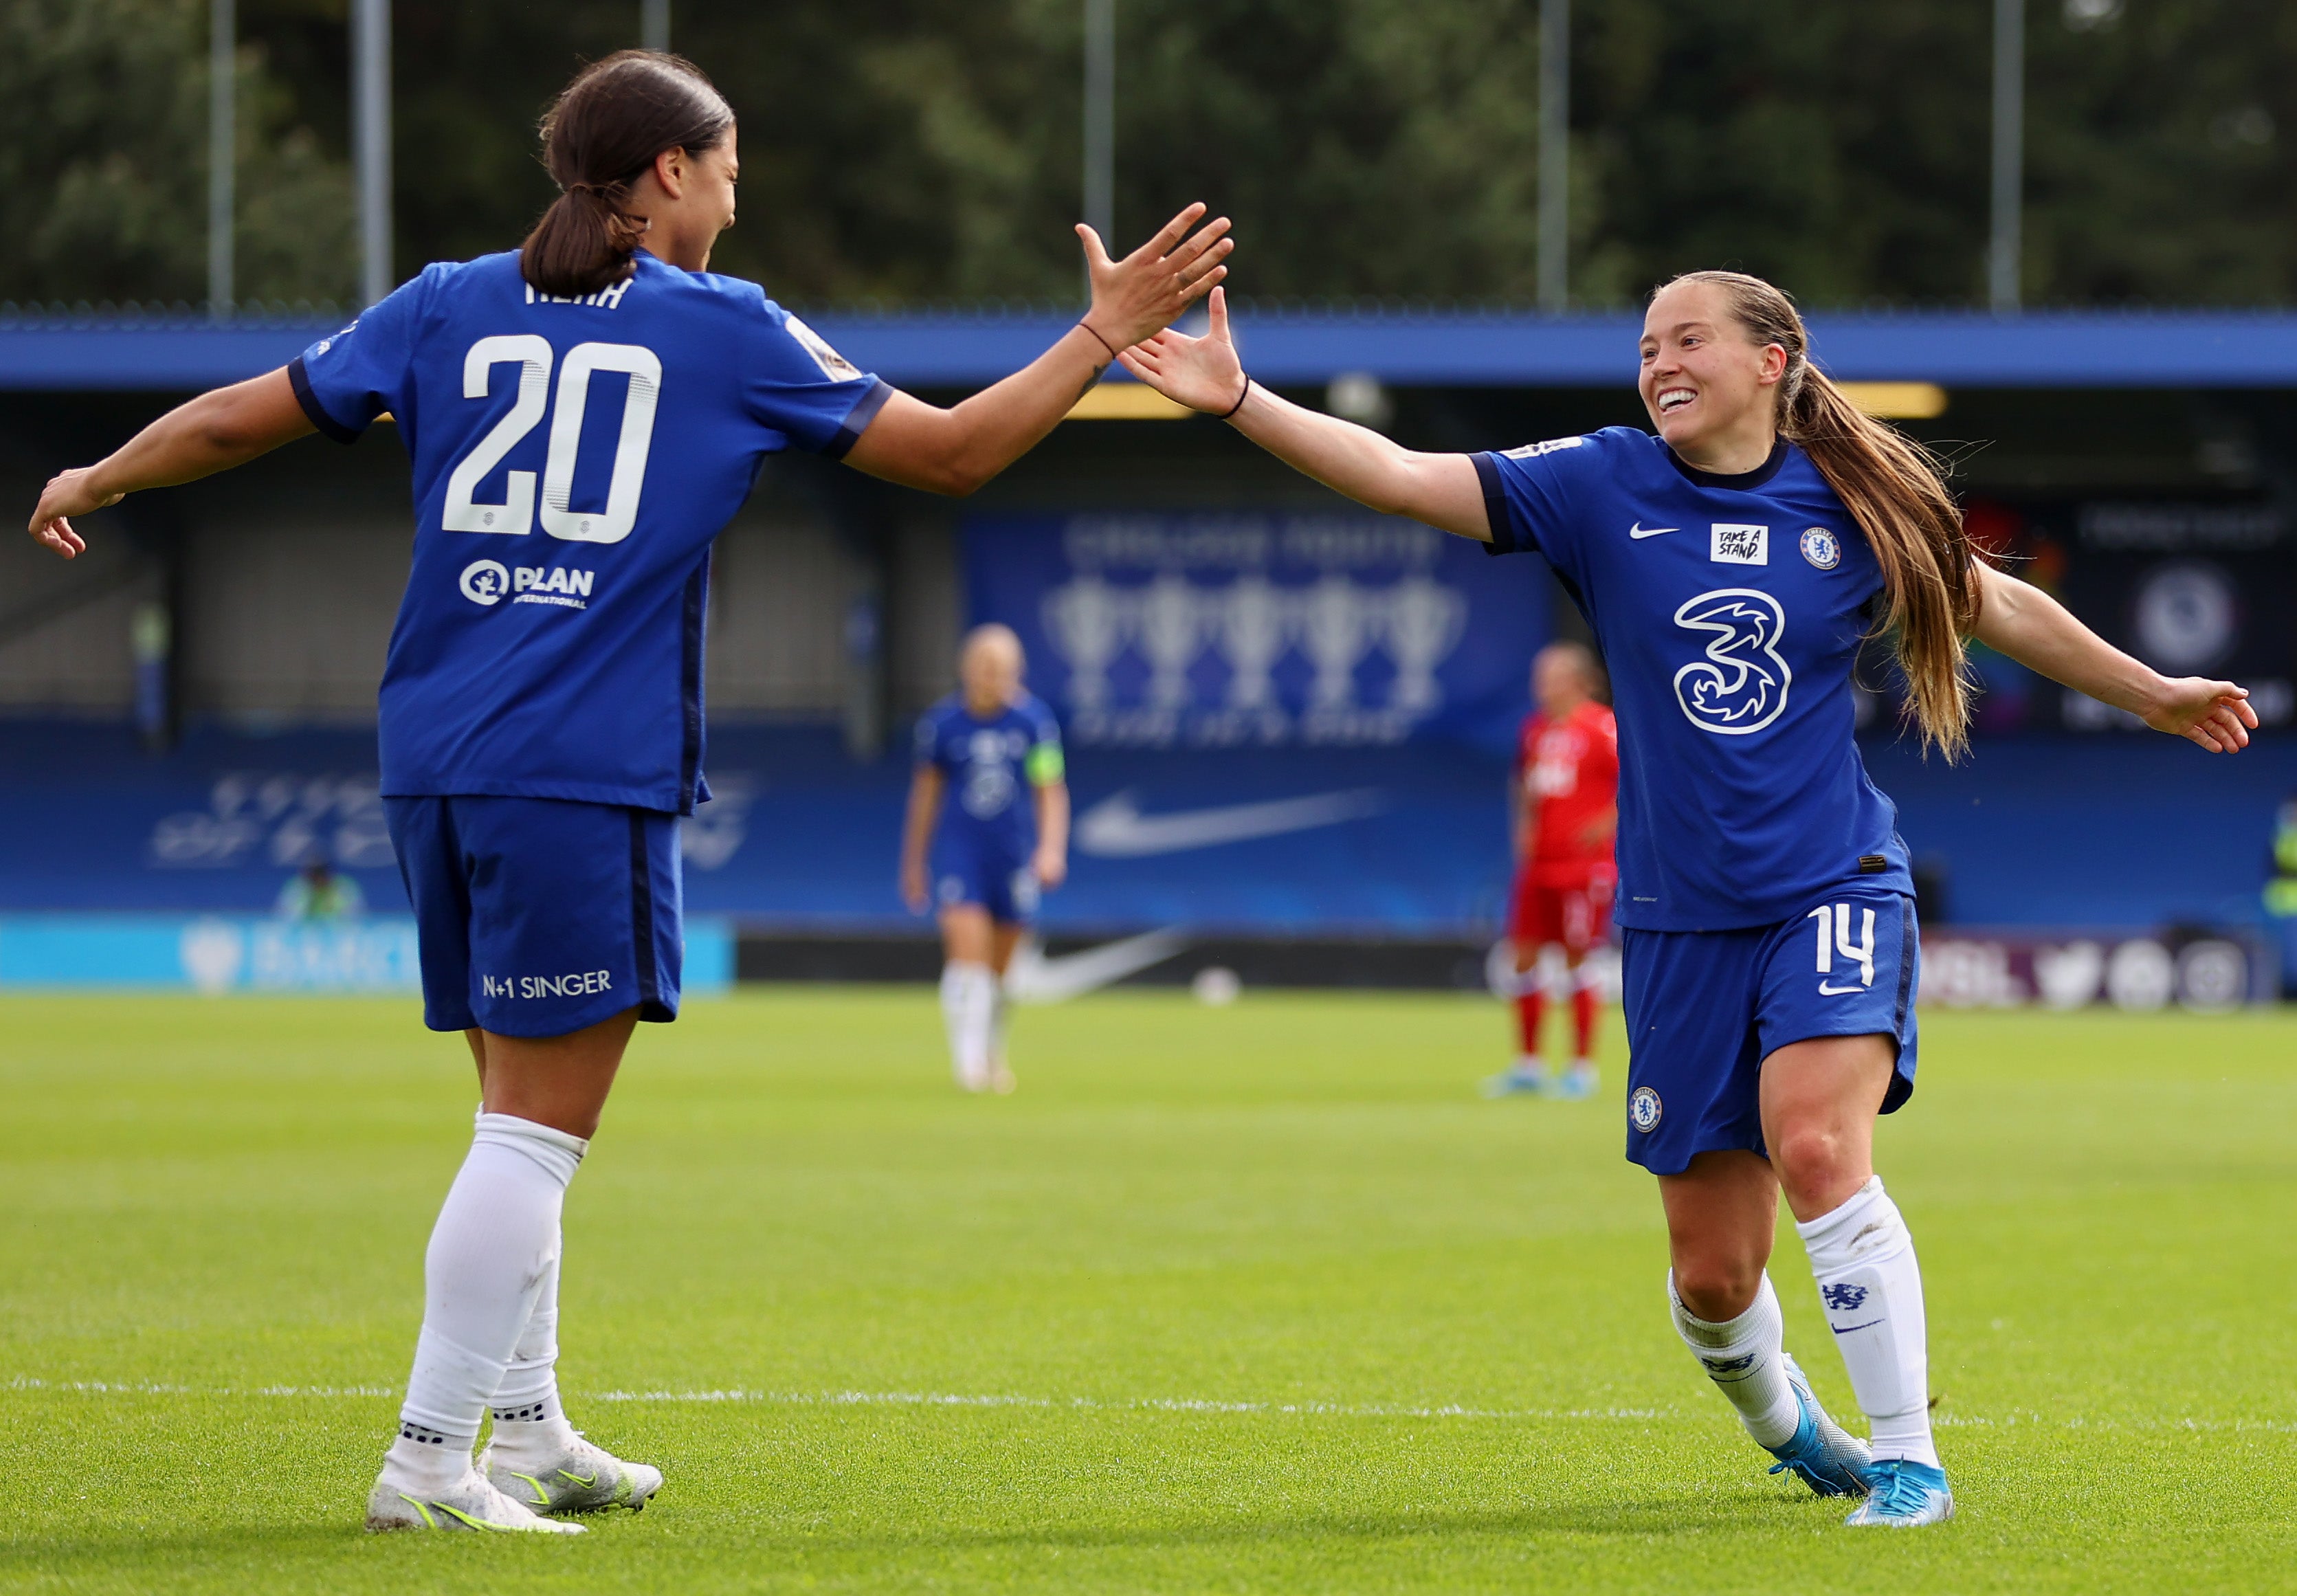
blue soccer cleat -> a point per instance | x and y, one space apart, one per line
1528 1078
1577 1083
1823 1454
1905 1495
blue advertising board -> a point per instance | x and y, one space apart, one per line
1261 628
246 953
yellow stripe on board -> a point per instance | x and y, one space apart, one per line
1125 401
1897 401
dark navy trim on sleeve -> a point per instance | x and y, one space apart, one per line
297 379
1507 537
858 419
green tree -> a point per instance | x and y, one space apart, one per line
103 162
919 149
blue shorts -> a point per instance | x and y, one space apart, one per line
536 916
1704 1008
996 878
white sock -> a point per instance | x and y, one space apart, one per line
999 1008
495 1239
1746 1358
968 996
529 1421
1872 1290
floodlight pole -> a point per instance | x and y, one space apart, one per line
1554 155
654 24
371 136
223 50
1100 123
2003 252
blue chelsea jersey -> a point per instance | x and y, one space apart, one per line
1730 611
573 461
990 767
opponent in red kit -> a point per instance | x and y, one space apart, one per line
1565 804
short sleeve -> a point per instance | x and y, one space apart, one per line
795 383
344 382
1529 494
927 741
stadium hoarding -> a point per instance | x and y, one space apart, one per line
2203 969
1261 628
238 953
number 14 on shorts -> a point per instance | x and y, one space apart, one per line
1834 941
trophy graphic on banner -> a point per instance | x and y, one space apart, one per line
1425 620
1335 630
1170 624
1251 628
1086 619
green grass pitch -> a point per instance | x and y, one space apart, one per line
1254 1299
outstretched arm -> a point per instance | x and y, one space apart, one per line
213 433
958 449
1204 373
2020 620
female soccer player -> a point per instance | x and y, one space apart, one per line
1730 567
992 851
583 414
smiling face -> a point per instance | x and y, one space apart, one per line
1707 385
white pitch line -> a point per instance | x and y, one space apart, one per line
1169 1404
929 1398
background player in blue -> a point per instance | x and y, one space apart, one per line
1731 566
990 798
583 417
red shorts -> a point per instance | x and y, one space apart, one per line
1566 906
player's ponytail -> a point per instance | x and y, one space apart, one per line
1897 492
598 136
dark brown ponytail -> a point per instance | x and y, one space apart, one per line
598 138
1896 492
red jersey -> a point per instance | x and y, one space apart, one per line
1569 772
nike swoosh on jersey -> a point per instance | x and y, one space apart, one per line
1824 991
1640 531
1116 829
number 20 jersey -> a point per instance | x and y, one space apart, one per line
574 459
1730 611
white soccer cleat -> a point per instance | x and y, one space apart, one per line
471 1502
579 1477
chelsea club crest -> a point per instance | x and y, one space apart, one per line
1643 1108
1822 548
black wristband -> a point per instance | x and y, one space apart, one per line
1240 398
1104 343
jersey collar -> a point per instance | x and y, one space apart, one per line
1745 481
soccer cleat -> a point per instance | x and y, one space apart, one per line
471 1502
1577 1083
580 1478
1821 1453
1905 1495
1528 1077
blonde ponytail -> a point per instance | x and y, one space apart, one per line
1896 492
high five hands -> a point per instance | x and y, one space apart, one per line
1141 294
1204 373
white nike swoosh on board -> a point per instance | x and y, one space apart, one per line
1825 991
1116 829
1640 531
1033 978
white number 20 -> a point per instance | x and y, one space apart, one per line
514 515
